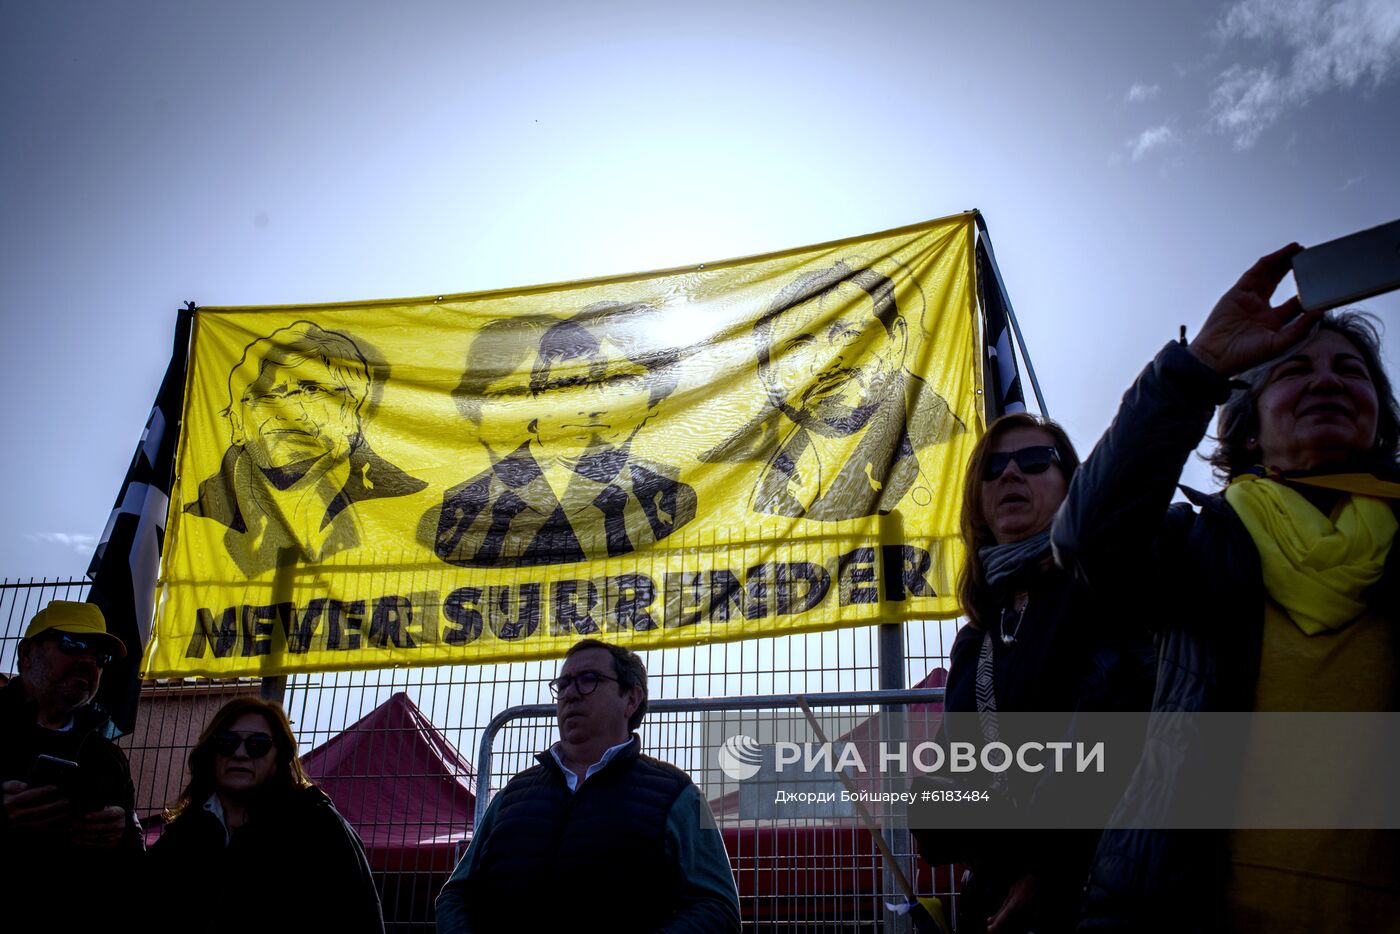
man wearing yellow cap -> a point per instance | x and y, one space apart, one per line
69 841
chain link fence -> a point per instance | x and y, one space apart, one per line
395 749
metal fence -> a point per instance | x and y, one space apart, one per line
393 748
798 872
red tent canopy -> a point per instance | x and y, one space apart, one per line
401 784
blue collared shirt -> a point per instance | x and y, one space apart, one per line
570 778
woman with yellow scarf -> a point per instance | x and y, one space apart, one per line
1277 594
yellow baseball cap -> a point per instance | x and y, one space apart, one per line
76 619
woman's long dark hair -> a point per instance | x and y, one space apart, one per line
288 776
974 593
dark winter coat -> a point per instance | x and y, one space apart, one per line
1064 659
1193 576
49 883
296 865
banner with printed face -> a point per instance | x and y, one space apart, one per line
754 447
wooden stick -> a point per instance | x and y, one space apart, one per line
891 862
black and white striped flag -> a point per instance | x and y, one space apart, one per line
127 561
1003 388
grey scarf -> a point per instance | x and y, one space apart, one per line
1004 562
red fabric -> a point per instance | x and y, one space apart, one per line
404 788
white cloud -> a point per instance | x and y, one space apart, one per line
83 544
1142 92
1152 138
1318 46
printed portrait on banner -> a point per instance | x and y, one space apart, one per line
759 446
557 403
298 461
845 418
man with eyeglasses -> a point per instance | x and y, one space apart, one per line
597 836
68 834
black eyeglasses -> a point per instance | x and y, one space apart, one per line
256 745
586 682
69 645
1031 460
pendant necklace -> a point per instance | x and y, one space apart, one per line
1010 640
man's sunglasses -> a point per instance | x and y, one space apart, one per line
1031 460
70 645
586 682
256 745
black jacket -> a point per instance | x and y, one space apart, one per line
48 883
296 865
1064 659
1192 575
598 852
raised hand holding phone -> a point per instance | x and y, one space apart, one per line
1244 329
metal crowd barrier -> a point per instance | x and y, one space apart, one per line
799 874
450 708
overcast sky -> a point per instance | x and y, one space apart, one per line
1131 160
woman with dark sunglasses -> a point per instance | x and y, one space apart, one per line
250 828
1033 642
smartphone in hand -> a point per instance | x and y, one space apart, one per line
1350 268
51 770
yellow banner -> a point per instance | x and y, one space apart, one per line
754 447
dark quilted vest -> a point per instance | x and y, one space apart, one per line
594 859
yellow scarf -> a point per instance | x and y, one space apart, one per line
1317 568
